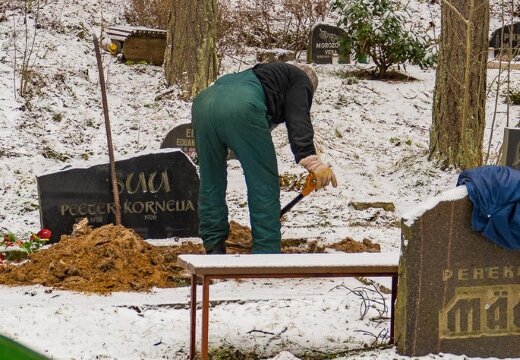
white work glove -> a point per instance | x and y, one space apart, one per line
323 173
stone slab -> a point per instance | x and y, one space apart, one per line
511 148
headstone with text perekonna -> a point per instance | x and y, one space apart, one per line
458 292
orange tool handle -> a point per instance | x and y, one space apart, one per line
310 184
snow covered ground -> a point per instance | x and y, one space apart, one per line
373 133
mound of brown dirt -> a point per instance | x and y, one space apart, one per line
352 246
239 239
106 259
114 258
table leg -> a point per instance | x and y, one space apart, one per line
205 317
392 307
193 315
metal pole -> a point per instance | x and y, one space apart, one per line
193 315
205 318
392 307
117 206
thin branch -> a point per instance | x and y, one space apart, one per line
498 88
14 57
467 70
446 2
509 58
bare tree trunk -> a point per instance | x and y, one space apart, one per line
190 59
457 133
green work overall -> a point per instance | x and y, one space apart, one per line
231 114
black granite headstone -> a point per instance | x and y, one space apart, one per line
511 150
158 194
501 39
324 45
182 137
458 292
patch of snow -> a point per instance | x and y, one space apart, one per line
332 260
456 193
375 134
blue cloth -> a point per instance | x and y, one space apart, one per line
495 194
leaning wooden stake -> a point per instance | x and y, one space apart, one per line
117 206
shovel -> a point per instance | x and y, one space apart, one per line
310 185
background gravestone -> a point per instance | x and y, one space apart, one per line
158 195
497 42
511 150
182 137
458 292
324 45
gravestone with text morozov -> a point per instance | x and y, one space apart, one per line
158 193
324 47
458 292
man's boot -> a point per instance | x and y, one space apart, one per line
220 249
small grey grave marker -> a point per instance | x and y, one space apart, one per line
324 45
458 292
511 150
182 137
158 193
497 42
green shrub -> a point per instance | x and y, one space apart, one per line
382 30
514 96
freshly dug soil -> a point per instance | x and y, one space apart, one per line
114 258
239 241
106 259
352 246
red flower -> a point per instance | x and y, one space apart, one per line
44 234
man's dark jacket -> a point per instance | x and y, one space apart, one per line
288 96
